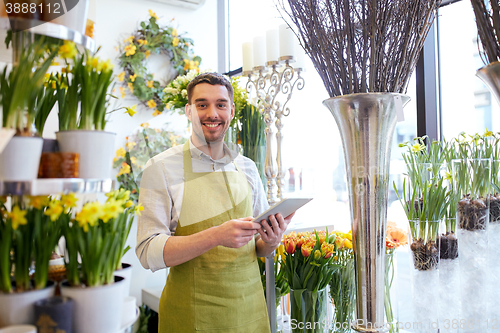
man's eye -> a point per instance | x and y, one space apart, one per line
222 106
201 106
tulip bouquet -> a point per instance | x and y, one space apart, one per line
98 234
342 284
309 266
395 238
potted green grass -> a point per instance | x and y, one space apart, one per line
21 92
83 98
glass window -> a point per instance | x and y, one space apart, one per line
312 147
466 103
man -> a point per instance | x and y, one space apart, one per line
198 201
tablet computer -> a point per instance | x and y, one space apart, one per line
285 207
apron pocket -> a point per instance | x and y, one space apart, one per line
229 298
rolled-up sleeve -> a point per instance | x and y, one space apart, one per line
153 223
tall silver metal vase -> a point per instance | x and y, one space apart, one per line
366 123
490 74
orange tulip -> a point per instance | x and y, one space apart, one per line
290 245
306 250
327 250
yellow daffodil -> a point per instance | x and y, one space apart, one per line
112 208
488 133
142 42
174 32
156 113
67 50
145 125
132 77
417 147
131 110
147 53
121 76
151 104
54 85
153 14
130 145
138 209
133 159
120 152
89 215
17 217
129 204
54 210
69 201
130 50
131 87
175 41
122 194
150 84
105 65
122 91
38 202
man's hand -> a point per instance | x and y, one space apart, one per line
236 233
272 234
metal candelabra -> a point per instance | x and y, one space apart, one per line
269 81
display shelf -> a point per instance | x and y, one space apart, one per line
48 29
50 186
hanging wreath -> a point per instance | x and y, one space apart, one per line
134 52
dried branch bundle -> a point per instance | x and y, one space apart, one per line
361 46
488 27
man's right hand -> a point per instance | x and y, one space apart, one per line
236 233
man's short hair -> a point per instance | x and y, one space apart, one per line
213 79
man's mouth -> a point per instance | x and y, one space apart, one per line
211 125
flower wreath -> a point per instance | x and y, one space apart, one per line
151 38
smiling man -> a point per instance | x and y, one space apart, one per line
198 201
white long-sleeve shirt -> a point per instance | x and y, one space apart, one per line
161 193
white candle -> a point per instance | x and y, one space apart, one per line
286 41
247 57
259 51
272 45
299 55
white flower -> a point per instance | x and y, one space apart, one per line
170 105
172 91
184 93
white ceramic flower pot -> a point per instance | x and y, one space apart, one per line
96 309
20 159
17 308
75 18
126 273
95 149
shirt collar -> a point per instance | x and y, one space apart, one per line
230 154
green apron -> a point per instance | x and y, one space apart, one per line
220 290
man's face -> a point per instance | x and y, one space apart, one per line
211 112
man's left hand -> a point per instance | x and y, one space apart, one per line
272 234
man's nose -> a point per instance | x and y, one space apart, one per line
212 111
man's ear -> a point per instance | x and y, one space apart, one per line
232 111
188 111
